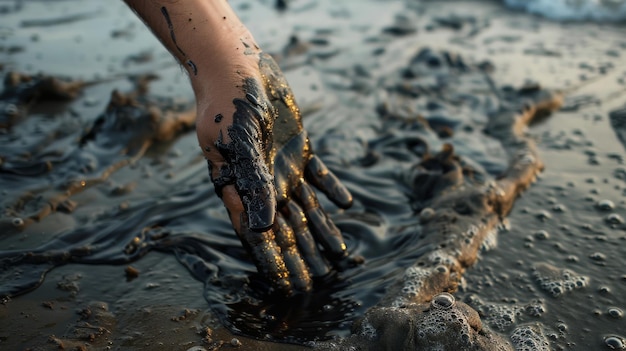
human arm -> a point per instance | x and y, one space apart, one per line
250 131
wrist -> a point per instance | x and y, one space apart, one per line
224 70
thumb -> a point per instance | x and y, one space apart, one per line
252 178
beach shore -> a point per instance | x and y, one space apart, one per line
338 57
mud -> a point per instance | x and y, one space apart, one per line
432 113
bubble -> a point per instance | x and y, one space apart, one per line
441 269
466 339
235 342
414 278
614 218
368 330
17 222
535 309
529 337
605 205
197 348
544 216
558 281
426 215
597 256
615 312
542 235
443 301
615 342
501 316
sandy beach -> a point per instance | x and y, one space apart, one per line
555 262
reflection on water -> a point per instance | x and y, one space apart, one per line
388 105
598 10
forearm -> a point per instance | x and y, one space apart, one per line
204 36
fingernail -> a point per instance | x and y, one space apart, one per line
343 198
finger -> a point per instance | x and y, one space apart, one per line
305 241
266 256
299 274
323 228
289 163
323 179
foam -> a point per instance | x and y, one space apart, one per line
530 338
558 281
367 330
596 10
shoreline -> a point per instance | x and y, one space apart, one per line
559 56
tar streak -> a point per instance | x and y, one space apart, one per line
170 25
248 138
192 65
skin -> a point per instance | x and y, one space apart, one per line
181 27
250 131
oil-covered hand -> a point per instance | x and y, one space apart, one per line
296 169
250 132
262 166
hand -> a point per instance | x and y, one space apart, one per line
296 168
261 144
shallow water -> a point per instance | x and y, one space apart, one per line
356 55
597 10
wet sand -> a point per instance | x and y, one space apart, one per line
346 53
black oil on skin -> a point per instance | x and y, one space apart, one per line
267 130
170 26
249 136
